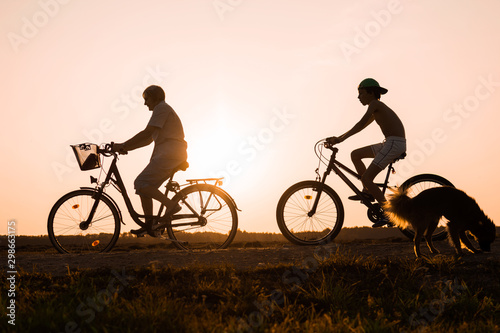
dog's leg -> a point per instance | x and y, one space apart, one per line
428 235
467 243
453 234
416 241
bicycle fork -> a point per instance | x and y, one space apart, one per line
346 180
319 190
84 225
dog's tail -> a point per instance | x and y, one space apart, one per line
398 207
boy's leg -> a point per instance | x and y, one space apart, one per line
367 180
357 156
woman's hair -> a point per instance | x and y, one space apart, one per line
154 91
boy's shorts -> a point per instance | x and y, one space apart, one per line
388 151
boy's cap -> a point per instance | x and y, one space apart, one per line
372 83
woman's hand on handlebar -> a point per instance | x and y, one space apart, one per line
119 148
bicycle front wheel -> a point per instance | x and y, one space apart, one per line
208 219
418 184
68 232
294 208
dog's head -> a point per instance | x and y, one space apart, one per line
486 234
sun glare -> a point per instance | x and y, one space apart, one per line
212 146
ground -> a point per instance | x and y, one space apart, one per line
134 253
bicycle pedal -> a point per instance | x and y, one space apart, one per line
158 226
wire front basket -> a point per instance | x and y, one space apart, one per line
87 156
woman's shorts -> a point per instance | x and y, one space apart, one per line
155 173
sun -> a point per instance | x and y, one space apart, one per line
212 147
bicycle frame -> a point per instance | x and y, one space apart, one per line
117 182
336 166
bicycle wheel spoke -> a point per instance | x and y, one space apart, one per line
68 230
302 225
217 222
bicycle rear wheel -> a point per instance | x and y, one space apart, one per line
69 234
300 228
420 183
214 225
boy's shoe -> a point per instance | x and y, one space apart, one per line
381 223
365 196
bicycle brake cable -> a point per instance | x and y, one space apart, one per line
320 156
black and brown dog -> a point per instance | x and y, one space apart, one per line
424 211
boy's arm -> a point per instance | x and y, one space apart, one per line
366 120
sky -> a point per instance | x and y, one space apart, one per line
256 85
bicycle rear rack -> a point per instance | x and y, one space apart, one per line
218 181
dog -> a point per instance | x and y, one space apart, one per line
424 211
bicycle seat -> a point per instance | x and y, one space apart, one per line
400 157
183 166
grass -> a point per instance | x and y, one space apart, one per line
344 293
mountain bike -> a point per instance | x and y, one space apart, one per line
311 212
88 220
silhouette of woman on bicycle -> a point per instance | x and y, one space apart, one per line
165 129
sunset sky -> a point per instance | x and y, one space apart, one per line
255 83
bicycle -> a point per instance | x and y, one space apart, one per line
88 220
311 212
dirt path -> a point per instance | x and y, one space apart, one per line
239 258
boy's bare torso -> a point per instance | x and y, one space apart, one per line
389 122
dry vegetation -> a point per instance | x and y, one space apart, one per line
364 285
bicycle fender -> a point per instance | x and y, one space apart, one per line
319 184
230 197
110 199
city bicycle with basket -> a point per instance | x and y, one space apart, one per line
311 212
88 220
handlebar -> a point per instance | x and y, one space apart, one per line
109 151
328 145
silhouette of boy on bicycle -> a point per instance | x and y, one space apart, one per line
382 153
165 129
